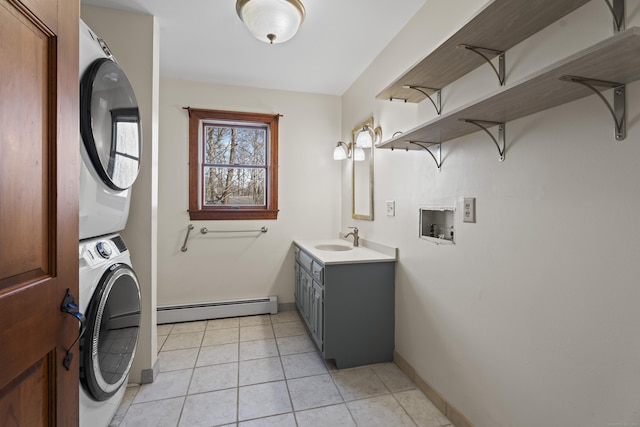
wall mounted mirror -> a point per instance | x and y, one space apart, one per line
362 181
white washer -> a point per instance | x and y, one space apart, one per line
111 137
110 301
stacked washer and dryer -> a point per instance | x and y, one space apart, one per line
109 291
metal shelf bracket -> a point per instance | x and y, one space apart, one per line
437 103
485 125
617 10
434 149
618 111
500 71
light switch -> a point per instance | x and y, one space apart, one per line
391 207
469 209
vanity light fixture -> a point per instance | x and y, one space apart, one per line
342 151
367 137
272 21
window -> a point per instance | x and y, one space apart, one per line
124 159
233 165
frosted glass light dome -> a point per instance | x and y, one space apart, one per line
340 152
358 154
364 138
272 21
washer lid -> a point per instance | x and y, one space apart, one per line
110 124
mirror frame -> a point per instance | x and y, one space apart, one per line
354 133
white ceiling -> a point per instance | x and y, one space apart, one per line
204 40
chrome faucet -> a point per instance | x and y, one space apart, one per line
356 238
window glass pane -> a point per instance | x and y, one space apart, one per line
123 168
233 165
234 145
234 186
127 139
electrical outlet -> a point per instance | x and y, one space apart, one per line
391 207
469 209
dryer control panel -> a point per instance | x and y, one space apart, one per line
103 249
97 251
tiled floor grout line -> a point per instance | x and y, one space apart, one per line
394 397
193 371
355 422
403 408
238 381
284 374
285 330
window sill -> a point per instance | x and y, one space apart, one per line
222 214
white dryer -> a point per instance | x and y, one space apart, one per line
111 137
110 300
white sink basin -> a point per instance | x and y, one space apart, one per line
334 248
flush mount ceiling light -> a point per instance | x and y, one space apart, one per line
272 21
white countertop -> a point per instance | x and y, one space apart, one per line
362 254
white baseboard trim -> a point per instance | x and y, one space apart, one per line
216 310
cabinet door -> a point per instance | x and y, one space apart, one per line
312 313
306 296
296 289
318 314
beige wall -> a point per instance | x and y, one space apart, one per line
133 39
531 318
230 266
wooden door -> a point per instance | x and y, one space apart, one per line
39 155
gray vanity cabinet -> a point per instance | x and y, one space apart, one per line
347 308
309 296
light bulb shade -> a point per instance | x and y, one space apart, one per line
358 154
364 138
272 21
340 152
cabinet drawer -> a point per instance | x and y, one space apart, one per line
305 260
317 271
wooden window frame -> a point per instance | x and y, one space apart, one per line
197 211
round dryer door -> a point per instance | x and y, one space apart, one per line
110 124
109 342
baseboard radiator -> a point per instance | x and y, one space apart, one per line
216 310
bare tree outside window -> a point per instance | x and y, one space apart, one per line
235 158
234 165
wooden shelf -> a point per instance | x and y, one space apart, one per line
500 25
616 59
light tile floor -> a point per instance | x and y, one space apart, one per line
264 371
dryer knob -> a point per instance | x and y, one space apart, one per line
104 249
